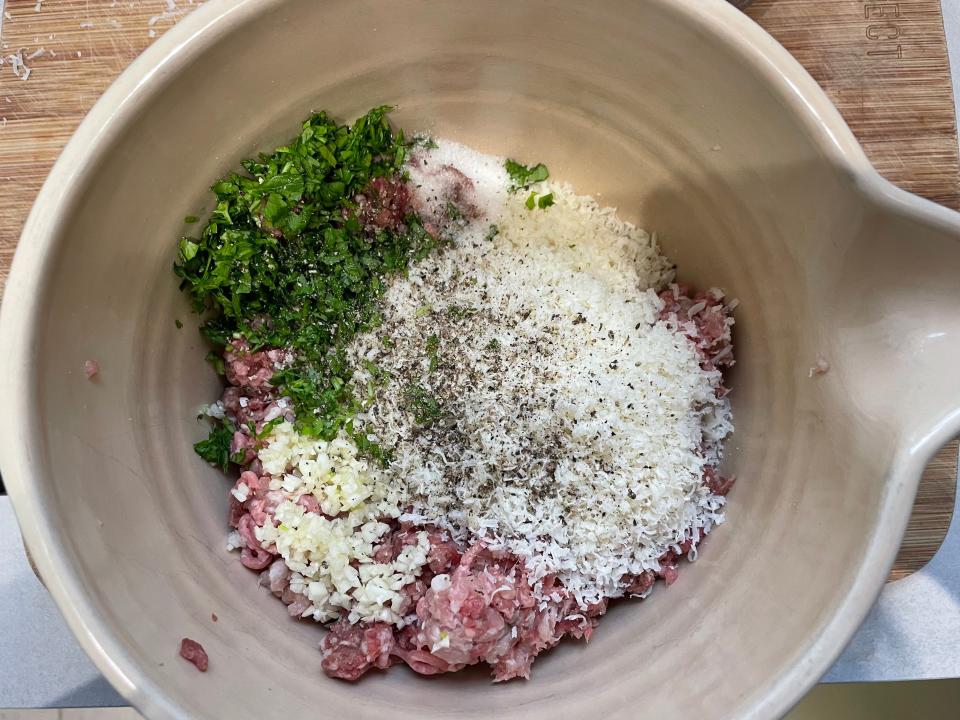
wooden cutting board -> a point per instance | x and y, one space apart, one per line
883 63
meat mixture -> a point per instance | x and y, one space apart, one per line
464 407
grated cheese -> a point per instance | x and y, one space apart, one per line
575 426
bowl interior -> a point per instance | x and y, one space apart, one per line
634 102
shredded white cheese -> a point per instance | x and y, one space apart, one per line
574 427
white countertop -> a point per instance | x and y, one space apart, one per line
912 633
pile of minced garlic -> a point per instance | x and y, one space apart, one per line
529 393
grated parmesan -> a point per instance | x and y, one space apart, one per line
575 426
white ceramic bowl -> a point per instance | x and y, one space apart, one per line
682 113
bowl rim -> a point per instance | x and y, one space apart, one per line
169 56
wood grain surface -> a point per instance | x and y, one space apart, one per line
883 63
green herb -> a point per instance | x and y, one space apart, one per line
216 448
188 249
492 232
374 370
424 407
493 345
433 352
424 141
522 177
422 311
266 429
372 449
543 202
461 311
191 219
283 261
216 361
178 323
452 212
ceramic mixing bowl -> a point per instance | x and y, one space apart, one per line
682 113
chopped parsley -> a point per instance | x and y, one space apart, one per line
424 407
452 212
433 352
522 177
424 141
216 360
216 448
461 311
542 202
284 262
266 429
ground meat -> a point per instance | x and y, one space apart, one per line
444 554
383 205
276 577
237 511
464 615
704 319
481 610
243 444
249 397
393 543
641 584
411 595
668 568
263 507
248 369
256 511
425 663
258 405
459 191
298 605
452 202
351 650
718 484
261 502
192 651
91 369
309 503
820 367
255 558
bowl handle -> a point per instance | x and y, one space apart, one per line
895 299
910 634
